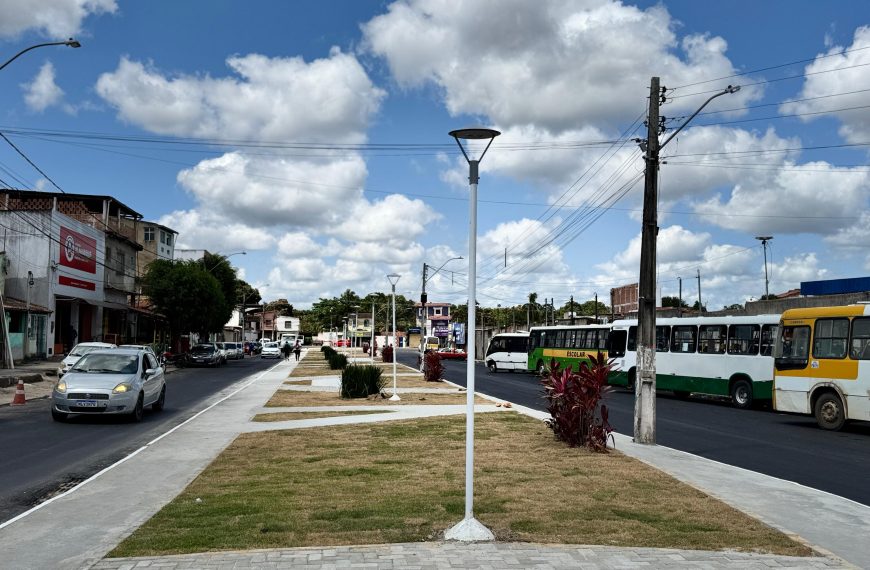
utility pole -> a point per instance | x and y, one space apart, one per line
700 304
572 309
596 307
764 240
645 385
680 298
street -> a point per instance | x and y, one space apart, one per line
45 458
780 445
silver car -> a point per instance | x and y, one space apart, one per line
116 381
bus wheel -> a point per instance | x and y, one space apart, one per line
741 394
492 367
630 382
829 412
681 394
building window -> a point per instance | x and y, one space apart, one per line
149 234
165 238
438 311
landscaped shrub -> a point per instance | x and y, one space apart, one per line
360 381
432 369
337 361
577 415
387 354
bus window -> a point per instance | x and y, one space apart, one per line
560 339
632 339
829 340
711 339
768 338
616 343
793 348
743 339
684 338
860 339
663 335
602 339
496 345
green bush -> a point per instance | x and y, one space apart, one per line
360 381
337 361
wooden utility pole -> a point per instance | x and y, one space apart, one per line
645 378
700 304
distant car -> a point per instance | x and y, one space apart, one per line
110 381
78 351
453 354
204 354
222 350
270 350
234 350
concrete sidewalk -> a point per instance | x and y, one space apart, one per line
77 529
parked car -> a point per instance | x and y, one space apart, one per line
78 351
270 350
453 354
234 350
204 354
222 349
145 347
110 381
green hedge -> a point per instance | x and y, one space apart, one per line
360 381
337 361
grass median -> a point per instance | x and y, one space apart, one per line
299 398
403 481
284 416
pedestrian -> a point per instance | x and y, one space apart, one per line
285 350
297 350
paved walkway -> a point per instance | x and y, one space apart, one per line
57 534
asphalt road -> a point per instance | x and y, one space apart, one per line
786 446
42 458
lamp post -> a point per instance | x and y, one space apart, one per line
470 529
394 278
70 42
764 240
423 297
223 258
345 319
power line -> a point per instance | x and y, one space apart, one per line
19 151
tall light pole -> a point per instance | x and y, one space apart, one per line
393 280
470 529
423 297
223 258
764 240
70 42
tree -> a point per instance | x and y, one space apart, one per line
189 297
695 307
674 302
281 306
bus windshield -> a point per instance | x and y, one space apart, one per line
792 347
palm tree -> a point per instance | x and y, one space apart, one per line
533 302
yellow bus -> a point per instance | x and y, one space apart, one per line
822 364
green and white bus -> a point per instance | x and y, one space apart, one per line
717 356
569 345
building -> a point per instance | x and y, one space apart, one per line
75 257
157 241
435 322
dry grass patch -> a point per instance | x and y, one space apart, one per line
298 398
299 382
403 481
284 416
301 371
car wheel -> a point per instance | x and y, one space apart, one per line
161 401
741 394
492 366
138 411
829 412
58 416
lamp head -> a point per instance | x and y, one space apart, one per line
394 278
479 133
73 43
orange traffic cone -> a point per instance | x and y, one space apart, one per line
19 394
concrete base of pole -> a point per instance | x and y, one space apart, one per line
469 530
395 397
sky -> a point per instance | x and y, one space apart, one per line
314 137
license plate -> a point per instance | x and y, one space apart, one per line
87 404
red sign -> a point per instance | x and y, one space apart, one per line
78 251
77 283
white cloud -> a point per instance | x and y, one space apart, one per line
42 92
558 65
197 230
52 18
271 99
832 73
395 218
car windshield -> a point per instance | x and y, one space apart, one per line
270 345
108 364
80 350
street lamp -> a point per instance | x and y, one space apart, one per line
470 529
394 278
764 240
423 296
223 258
70 42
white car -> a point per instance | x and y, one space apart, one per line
78 351
270 350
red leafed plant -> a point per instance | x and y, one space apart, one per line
577 415
387 354
433 368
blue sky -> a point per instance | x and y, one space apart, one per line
313 135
